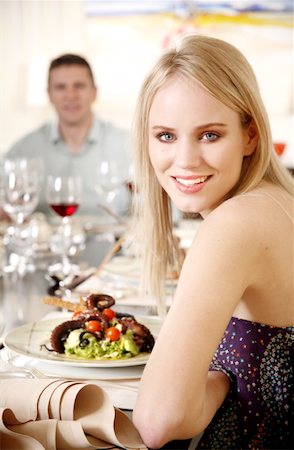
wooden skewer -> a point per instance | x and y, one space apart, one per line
56 301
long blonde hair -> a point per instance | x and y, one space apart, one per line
224 72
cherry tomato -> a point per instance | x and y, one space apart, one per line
112 333
76 313
93 325
108 313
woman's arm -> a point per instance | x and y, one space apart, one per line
178 397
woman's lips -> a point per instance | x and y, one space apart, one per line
190 185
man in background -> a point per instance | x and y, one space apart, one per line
78 141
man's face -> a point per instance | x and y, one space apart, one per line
72 92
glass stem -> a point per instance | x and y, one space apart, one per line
66 225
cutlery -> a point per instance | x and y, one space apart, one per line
63 286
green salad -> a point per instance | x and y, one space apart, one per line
85 345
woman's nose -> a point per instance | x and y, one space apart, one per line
188 153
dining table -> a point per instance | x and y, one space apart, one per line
33 303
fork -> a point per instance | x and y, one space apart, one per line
14 371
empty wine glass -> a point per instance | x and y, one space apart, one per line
63 195
112 188
20 186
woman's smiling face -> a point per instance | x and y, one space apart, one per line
196 145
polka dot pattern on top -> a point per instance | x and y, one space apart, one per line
258 412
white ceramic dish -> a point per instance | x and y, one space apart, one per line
128 270
42 369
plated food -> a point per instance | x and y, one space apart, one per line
97 332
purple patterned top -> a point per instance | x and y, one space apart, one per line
258 411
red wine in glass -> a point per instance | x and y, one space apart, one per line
64 198
64 209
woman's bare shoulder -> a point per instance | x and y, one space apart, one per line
254 207
234 211
248 218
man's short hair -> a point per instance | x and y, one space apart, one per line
70 59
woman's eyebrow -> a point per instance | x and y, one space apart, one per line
199 127
211 124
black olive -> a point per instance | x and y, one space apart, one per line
83 343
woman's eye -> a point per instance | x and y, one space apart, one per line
209 136
166 137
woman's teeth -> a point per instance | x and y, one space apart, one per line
191 182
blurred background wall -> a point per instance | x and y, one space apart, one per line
122 39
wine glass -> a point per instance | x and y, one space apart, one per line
63 195
20 187
112 188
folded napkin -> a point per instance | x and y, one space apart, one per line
55 414
121 389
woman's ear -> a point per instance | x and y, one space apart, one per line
251 138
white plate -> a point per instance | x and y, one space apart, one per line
28 339
123 267
64 371
128 270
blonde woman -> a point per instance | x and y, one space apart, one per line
222 362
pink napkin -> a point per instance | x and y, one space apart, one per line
59 414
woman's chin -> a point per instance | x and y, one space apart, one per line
187 209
